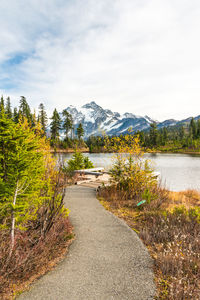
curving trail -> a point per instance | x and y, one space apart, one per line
106 261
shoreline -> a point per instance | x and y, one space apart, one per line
173 152
70 150
146 152
154 151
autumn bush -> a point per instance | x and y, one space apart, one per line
132 177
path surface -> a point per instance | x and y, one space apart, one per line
106 261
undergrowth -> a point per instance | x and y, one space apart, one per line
172 237
32 255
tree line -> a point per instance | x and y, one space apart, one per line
176 138
185 136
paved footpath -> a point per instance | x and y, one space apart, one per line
106 260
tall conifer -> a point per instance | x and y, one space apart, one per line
42 117
67 122
8 109
2 105
24 110
55 125
80 131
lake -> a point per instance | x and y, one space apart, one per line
178 171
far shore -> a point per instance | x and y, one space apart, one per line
173 152
70 150
86 150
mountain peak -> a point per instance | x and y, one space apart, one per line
92 105
96 119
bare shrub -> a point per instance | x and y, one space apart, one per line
172 238
31 254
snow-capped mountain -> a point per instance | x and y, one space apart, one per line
96 120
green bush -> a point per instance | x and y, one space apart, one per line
77 162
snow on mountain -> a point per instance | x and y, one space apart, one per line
96 120
167 123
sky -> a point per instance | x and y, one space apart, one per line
138 56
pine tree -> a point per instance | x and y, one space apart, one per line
2 105
181 132
24 110
67 122
80 131
8 109
42 117
55 126
15 115
198 128
153 134
22 170
165 135
193 128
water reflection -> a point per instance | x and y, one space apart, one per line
178 171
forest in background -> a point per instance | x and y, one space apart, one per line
184 138
62 134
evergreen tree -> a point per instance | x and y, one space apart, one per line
8 108
153 134
67 122
198 128
42 117
181 132
2 105
24 110
33 120
55 126
22 168
15 115
165 135
80 131
193 128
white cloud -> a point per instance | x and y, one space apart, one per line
138 56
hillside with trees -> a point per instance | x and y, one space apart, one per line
183 138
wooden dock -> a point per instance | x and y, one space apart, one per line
94 177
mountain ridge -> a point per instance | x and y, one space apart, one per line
97 120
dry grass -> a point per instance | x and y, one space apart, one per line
188 198
171 233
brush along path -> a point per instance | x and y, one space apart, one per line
106 261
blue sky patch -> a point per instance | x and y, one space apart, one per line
15 60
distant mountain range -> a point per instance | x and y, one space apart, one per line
97 121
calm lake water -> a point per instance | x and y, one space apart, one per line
178 171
